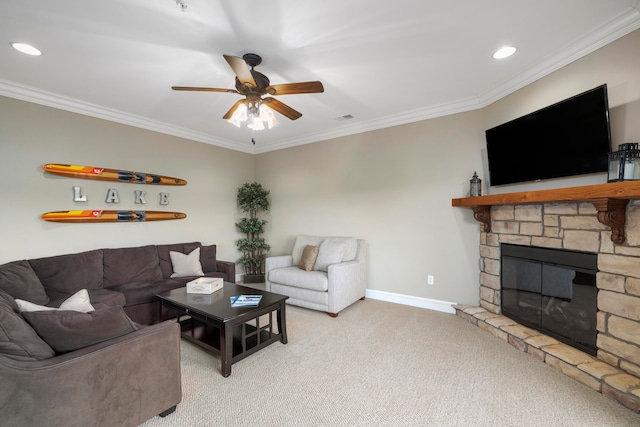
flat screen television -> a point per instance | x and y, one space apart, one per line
569 138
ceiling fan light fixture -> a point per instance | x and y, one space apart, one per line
267 116
256 124
239 116
256 115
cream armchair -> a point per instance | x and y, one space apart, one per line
337 279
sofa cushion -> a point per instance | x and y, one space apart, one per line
208 259
66 330
18 340
125 265
308 259
165 259
104 296
70 273
18 279
294 276
9 300
144 292
351 246
330 252
186 265
76 302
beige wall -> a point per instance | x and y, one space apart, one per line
394 186
32 135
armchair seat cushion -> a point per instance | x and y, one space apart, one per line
295 277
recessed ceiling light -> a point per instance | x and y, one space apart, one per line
26 48
504 52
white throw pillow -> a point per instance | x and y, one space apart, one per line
76 302
329 253
186 265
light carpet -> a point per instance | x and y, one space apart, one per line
384 364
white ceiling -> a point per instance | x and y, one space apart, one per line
384 63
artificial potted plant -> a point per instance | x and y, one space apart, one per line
252 198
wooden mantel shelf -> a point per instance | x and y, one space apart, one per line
610 200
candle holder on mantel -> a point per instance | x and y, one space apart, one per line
624 164
475 186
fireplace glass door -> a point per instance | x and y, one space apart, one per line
552 291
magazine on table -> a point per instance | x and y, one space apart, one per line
245 300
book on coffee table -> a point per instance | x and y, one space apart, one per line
245 300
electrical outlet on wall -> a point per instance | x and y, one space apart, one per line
430 279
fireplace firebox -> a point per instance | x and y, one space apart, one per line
552 291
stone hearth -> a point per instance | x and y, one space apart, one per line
596 374
573 226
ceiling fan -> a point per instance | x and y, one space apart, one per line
254 85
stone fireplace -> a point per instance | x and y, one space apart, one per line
603 220
574 226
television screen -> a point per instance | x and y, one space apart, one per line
569 138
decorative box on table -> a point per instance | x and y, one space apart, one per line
204 285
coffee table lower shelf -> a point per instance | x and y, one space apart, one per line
246 339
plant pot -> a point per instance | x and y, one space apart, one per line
253 278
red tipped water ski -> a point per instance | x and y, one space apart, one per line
104 174
111 216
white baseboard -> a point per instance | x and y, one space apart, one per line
431 304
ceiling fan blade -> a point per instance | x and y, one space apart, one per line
203 89
293 88
282 108
241 69
229 113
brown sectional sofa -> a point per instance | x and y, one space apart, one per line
124 373
137 273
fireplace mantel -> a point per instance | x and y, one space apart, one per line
610 200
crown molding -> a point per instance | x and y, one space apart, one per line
619 26
417 115
623 24
49 99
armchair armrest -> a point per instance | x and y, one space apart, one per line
228 268
278 262
123 381
347 283
275 262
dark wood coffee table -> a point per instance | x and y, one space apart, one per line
209 321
